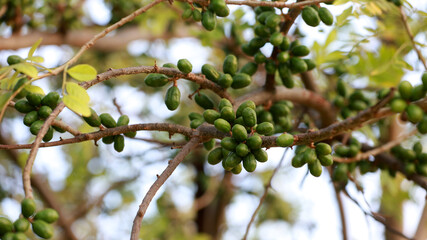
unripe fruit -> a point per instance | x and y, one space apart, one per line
219 7
186 14
254 142
48 215
30 118
28 207
44 111
256 43
19 236
340 173
173 98
203 101
51 100
249 162
197 15
309 156
310 16
297 161
259 58
300 51
263 16
231 161
241 80
34 99
283 57
23 106
284 46
260 155
170 65
285 140
208 145
326 16
422 125
239 133
249 117
270 66
107 120
93 120
108 139
248 103
242 150
262 31
215 156
224 103
36 126
326 160
341 88
323 149
298 65
225 80
196 123
18 84
14 59
123 120
310 64
8 236
265 128
424 80
415 113
211 115
276 39
194 115
184 66
209 20
405 90
237 169
222 125
119 143
42 229
49 135
418 92
272 20
156 80
398 105
227 114
5 226
249 68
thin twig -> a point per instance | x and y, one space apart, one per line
404 19
173 164
264 195
253 3
66 127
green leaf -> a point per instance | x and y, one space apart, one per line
343 18
77 105
34 47
82 72
36 59
26 68
73 89
34 89
3 98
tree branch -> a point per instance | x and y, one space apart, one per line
173 164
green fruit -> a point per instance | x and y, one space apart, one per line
204 101
265 128
410 168
353 150
210 72
44 111
259 58
241 80
309 156
248 103
211 115
209 20
130 134
249 117
256 43
224 103
36 126
222 125
310 16
276 38
108 139
247 49
239 120
49 135
310 64
418 92
34 99
298 65
285 74
398 105
19 236
422 158
272 21
215 156
173 98
170 65
270 66
357 105
341 88
30 118
300 51
415 113
227 114
283 57
5 226
242 150
285 44
342 150
340 173
239 133
261 31
219 7
422 169
28 207
355 142
194 115
297 161
300 149
18 84
186 14
231 161
265 116
339 101
225 80
119 143
156 80
93 120
107 120
405 90
14 59
197 15
285 140
326 16
315 168
249 68
418 148
254 142
209 144
424 80
196 123
279 110
263 16
48 215
260 155
249 162
123 120
228 143
42 229
51 100
284 122
326 160
237 169
8 236
23 106
422 125
184 66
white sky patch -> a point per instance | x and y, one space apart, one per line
102 14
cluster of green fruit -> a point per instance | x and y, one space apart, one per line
402 102
278 114
108 121
244 144
352 148
39 221
37 108
415 160
396 2
349 103
288 60
208 17
315 157
312 15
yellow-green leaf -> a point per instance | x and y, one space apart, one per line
34 47
26 68
3 98
34 89
82 72
36 59
73 89
77 105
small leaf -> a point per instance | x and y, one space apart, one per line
26 68
34 89
82 72
73 89
36 59
3 98
34 47
77 105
